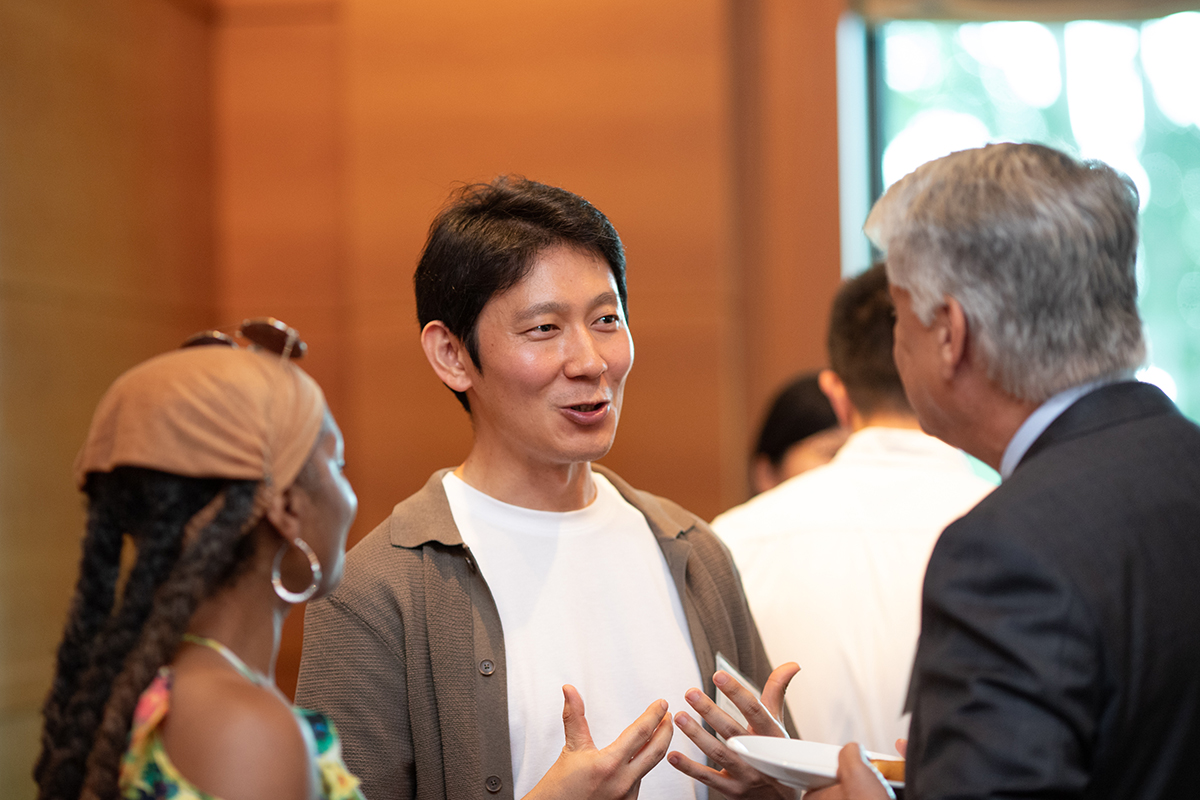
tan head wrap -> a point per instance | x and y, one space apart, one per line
207 412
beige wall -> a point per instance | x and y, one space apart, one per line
165 165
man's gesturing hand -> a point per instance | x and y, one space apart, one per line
737 779
583 772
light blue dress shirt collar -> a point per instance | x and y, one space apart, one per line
1037 422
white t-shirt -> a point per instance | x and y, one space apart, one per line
585 598
833 560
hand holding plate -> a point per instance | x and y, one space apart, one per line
857 779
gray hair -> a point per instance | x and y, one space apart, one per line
1038 248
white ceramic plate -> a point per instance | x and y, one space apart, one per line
798 763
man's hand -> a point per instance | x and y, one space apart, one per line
583 772
737 779
857 779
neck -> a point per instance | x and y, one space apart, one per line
885 419
542 487
988 424
246 617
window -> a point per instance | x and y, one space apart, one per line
1123 92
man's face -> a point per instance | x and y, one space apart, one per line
917 354
555 350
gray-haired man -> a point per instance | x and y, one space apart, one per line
1060 641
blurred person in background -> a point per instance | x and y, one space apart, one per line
1059 654
799 432
475 620
832 560
222 469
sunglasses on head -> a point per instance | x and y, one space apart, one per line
263 333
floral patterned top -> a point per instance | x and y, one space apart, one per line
148 774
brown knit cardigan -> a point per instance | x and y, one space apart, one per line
407 655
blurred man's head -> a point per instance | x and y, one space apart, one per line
1037 248
860 349
799 433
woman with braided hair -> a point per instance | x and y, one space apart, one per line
219 471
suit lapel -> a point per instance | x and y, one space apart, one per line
1109 405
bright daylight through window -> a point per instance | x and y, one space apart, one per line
1127 93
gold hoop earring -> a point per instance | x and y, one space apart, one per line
314 566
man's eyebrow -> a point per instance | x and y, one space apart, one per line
555 307
539 309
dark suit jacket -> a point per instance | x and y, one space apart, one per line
1060 642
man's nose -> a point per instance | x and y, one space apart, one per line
584 359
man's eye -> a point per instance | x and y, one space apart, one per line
609 319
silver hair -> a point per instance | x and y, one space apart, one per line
1038 248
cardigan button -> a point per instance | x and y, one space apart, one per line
487 667
493 783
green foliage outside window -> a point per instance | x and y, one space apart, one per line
1127 93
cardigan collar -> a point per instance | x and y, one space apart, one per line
428 512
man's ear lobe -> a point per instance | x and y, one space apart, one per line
953 334
447 355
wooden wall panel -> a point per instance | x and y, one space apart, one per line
105 244
788 253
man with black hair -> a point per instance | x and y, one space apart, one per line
527 575
833 559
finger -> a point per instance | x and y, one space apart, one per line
718 753
641 733
761 721
654 750
861 780
702 773
725 725
776 686
902 747
575 727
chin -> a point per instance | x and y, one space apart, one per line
588 451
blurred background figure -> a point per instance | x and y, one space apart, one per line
800 432
832 560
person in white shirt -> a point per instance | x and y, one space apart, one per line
832 560
475 619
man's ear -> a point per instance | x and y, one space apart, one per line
832 387
952 331
447 355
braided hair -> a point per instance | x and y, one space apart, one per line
190 539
